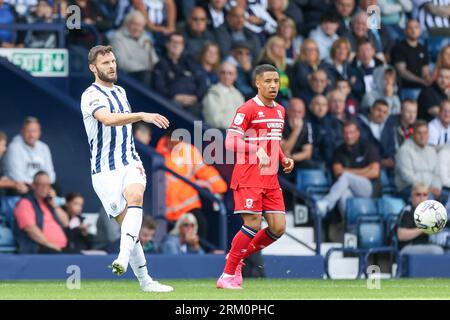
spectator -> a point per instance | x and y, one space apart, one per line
314 11
351 103
216 13
179 78
339 67
184 238
410 58
187 161
142 132
384 87
27 154
356 166
210 63
41 39
322 135
443 60
416 161
433 15
292 41
412 240
274 53
325 34
113 13
233 30
40 222
77 232
147 234
318 85
378 130
439 127
222 99
7 16
336 102
393 15
195 33
134 51
403 123
282 9
21 8
184 9
5 182
360 30
345 9
92 19
161 16
240 57
307 62
431 97
297 142
366 62
257 19
108 233
381 35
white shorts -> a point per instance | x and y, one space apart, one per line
110 185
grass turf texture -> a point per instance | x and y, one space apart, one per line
204 289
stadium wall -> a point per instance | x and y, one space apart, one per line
55 267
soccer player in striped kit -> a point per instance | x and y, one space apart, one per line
255 137
118 176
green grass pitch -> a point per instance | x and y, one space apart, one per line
204 289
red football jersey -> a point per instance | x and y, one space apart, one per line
260 125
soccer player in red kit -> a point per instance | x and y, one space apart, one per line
255 137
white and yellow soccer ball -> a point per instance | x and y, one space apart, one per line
430 216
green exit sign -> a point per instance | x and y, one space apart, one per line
39 62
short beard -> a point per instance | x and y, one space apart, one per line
104 77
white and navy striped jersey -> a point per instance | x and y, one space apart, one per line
426 19
111 147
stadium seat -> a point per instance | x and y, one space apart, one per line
370 232
357 207
390 206
7 205
7 243
313 181
387 183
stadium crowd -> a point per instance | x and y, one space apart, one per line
361 100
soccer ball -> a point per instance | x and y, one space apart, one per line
430 216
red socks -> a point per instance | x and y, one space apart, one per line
239 247
246 242
263 238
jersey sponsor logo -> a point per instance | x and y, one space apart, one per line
248 203
271 125
239 119
280 114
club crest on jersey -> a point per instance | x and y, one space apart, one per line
280 114
239 118
113 206
249 203
260 114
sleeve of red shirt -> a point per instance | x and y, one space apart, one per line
24 214
280 154
235 135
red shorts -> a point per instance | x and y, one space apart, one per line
258 200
